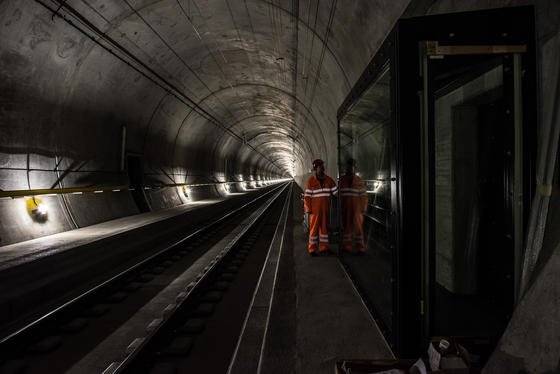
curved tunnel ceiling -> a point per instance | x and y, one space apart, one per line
198 84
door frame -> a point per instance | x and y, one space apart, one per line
514 172
494 27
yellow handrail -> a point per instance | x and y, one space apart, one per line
58 191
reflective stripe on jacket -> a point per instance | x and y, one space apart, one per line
353 193
317 194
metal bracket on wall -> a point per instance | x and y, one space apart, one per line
433 48
70 169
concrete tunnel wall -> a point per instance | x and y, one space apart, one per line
270 84
270 74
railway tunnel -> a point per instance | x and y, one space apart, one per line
154 157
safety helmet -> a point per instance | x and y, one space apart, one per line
317 162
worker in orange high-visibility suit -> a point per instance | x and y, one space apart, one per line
317 198
354 204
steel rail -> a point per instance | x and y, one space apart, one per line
18 333
134 352
264 284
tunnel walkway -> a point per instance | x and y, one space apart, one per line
316 317
331 320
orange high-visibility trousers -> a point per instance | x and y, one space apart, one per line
354 204
317 203
318 232
353 229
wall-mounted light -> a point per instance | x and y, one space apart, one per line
186 191
37 209
377 185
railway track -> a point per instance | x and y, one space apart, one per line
157 312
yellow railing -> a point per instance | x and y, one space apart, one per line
101 188
58 191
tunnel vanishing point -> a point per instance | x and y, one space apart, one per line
137 110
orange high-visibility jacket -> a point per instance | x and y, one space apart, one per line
318 193
353 193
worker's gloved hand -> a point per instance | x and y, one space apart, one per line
306 221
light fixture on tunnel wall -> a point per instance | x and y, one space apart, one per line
37 209
376 186
186 191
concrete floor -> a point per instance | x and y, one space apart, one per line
316 317
331 321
